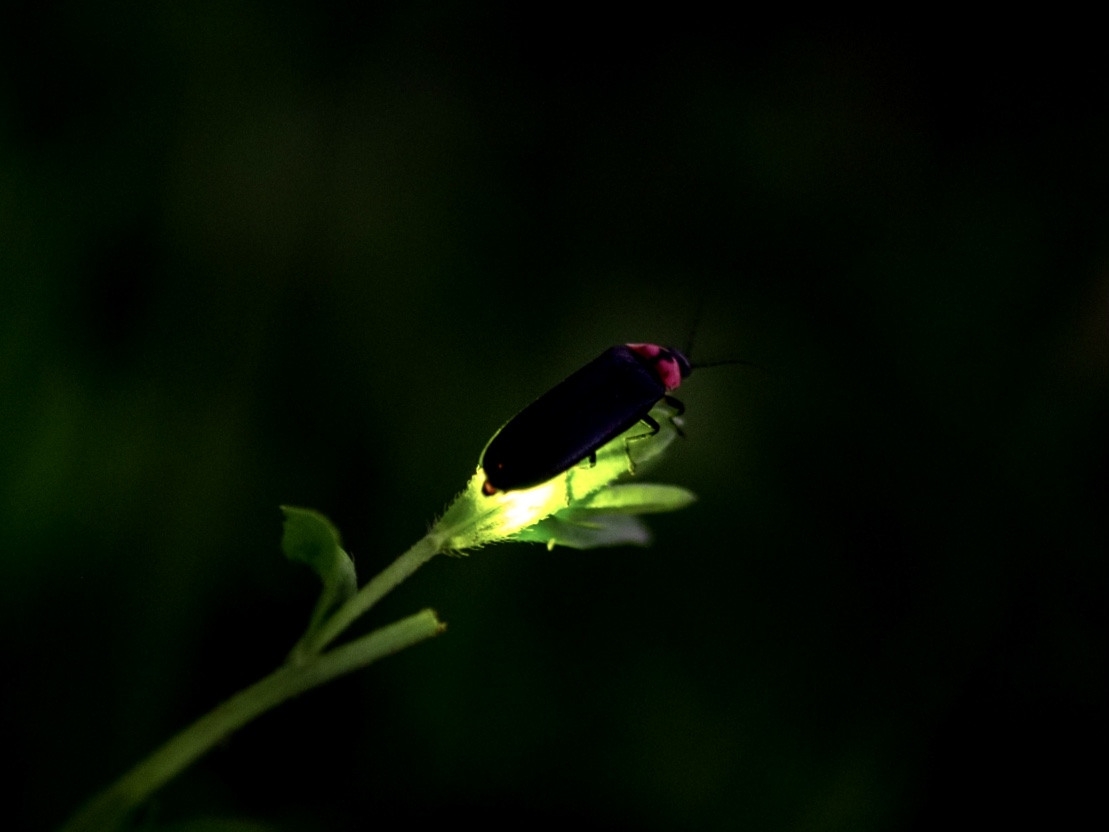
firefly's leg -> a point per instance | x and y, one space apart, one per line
680 409
655 428
590 461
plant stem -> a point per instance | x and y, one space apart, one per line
110 808
421 552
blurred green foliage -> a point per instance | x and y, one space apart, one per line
306 253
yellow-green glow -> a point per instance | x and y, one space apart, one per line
519 509
476 518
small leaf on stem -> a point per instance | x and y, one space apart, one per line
309 538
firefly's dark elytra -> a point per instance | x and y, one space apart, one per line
572 420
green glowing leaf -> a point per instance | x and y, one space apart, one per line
309 538
607 517
638 498
599 530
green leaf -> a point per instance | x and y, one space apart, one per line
309 538
607 517
637 498
601 530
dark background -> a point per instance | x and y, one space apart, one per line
292 253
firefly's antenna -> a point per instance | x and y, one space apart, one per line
703 364
687 347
